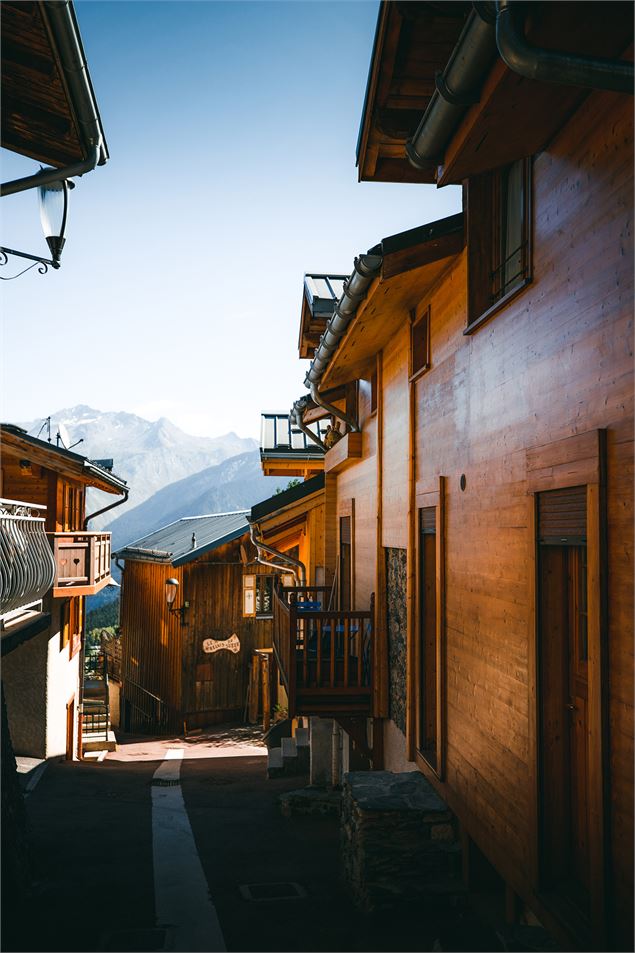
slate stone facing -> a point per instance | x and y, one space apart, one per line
398 841
396 628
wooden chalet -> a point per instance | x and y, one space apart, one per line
479 372
186 664
51 561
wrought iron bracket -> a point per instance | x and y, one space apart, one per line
44 263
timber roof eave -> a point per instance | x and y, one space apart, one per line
412 262
73 464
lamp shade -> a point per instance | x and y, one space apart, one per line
53 212
171 585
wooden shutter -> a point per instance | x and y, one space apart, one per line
428 519
562 516
345 530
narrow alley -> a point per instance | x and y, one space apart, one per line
273 881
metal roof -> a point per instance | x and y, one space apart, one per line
323 292
187 538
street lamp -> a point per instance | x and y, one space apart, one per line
53 200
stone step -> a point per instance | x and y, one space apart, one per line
302 737
97 741
289 760
289 747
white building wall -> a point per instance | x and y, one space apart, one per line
395 749
62 685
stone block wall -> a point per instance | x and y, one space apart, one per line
398 841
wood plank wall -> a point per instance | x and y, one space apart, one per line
557 361
359 483
167 658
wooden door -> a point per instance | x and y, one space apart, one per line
564 702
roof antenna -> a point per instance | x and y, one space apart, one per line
47 424
193 540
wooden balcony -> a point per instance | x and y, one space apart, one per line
82 563
325 657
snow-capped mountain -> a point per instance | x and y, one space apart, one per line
148 455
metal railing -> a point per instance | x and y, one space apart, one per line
146 712
82 560
27 567
325 656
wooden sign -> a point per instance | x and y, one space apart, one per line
216 645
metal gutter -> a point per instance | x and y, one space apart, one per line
457 88
297 409
552 66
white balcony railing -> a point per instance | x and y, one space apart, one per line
27 567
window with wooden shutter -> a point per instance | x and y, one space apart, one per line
249 595
428 695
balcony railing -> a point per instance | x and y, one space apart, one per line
325 656
82 563
27 568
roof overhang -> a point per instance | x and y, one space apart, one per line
49 110
411 263
16 442
413 41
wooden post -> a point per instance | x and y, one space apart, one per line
266 696
253 689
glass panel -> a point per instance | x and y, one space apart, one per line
512 205
52 200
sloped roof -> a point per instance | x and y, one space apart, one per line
16 440
187 538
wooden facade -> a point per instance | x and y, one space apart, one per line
483 438
163 654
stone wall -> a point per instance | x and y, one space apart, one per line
396 628
398 841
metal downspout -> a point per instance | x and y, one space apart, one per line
551 66
457 88
296 418
340 414
105 509
297 567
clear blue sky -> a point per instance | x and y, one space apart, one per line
232 130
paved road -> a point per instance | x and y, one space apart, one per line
216 825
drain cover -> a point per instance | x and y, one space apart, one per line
272 891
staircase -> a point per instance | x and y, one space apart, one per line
96 732
291 758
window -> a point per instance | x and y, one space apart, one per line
420 343
257 595
373 392
345 563
499 246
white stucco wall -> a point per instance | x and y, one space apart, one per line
114 693
62 684
39 679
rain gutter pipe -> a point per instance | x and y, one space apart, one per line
298 408
297 568
552 66
365 269
105 509
457 87
492 28
74 69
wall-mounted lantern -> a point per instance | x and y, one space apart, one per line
171 586
53 200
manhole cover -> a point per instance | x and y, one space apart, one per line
139 940
272 891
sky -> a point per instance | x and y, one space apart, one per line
232 129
